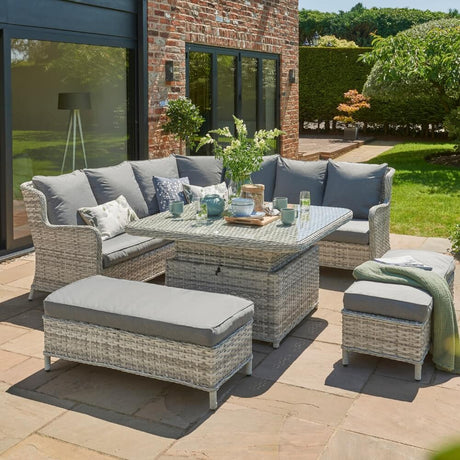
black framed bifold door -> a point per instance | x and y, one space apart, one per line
224 82
69 101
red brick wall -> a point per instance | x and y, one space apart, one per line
266 26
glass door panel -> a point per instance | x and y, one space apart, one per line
226 94
70 105
269 80
249 93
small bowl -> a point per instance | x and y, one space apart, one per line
242 207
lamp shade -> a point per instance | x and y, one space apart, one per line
70 101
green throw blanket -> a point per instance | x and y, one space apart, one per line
446 342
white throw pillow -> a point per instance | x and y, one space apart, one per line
195 192
109 218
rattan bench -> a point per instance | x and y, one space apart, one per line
391 320
193 338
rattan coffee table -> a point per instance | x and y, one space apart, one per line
275 266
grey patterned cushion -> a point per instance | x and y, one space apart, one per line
267 175
355 186
201 170
144 171
293 176
109 218
168 190
64 195
111 182
195 192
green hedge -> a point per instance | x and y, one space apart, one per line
326 73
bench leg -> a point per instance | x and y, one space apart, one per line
418 372
276 344
213 400
345 357
248 368
31 294
47 363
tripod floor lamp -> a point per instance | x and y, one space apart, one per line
74 102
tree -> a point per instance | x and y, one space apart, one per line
334 42
420 61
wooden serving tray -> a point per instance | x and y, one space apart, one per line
260 221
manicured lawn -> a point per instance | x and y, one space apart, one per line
426 196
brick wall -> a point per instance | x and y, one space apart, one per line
266 26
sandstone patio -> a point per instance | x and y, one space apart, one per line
299 403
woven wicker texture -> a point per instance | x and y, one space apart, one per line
185 363
274 237
282 297
67 253
349 256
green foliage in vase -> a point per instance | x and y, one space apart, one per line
184 120
241 155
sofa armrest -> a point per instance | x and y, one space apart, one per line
379 229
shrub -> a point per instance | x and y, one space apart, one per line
455 240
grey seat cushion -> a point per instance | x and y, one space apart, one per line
355 186
266 175
200 170
123 247
112 181
355 231
65 194
293 176
442 264
385 299
145 170
201 318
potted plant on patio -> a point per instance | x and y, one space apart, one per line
184 121
354 101
241 155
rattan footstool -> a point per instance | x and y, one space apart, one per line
391 320
193 338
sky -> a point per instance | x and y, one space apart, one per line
333 6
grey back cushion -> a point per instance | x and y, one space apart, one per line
266 175
293 176
144 171
200 170
111 182
355 186
64 195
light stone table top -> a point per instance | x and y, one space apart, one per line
273 237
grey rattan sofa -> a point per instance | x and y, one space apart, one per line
67 250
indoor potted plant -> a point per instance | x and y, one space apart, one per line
354 101
240 154
184 121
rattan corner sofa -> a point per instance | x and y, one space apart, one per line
67 250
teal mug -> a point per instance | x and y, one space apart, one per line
288 216
280 202
176 208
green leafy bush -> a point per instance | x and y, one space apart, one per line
455 240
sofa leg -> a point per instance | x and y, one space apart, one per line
213 400
345 357
248 368
31 294
418 372
47 363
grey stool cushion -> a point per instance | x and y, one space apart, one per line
200 170
355 231
442 264
293 176
266 175
123 247
110 182
65 194
201 318
354 186
145 170
385 299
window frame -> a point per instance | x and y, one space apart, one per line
239 54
